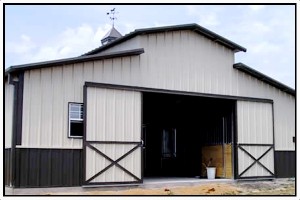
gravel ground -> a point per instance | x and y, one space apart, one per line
274 187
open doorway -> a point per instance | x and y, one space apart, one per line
182 133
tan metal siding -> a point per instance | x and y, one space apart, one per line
45 108
184 60
113 115
133 43
254 122
9 103
284 108
179 60
255 126
161 67
285 123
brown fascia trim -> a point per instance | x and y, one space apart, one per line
132 52
262 77
193 27
178 92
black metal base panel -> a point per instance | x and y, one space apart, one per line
58 167
285 164
7 167
48 167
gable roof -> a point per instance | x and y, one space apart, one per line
193 27
262 77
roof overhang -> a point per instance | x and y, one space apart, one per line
260 76
73 60
193 27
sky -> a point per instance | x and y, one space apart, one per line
36 33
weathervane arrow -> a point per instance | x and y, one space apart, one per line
112 17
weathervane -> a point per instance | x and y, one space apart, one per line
112 17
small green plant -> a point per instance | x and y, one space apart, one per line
208 164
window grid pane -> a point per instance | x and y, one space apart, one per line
76 111
75 120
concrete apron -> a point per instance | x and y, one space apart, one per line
148 183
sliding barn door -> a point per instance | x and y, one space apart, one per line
255 142
112 139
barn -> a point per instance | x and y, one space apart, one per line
157 102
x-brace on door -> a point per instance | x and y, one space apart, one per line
112 138
255 140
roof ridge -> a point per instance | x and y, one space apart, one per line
193 26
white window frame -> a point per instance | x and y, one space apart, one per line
78 119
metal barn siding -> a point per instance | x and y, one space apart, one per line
175 60
284 122
9 108
284 108
48 167
255 146
9 104
133 43
186 61
48 91
285 164
113 127
7 167
45 115
178 60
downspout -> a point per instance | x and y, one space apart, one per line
17 81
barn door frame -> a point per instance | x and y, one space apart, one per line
239 146
113 162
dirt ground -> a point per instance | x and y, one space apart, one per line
275 187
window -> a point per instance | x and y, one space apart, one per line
75 120
169 143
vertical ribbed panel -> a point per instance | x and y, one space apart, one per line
175 60
47 93
255 123
9 104
186 61
48 167
285 164
113 115
7 167
285 122
284 108
255 128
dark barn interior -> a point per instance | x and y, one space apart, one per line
177 127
